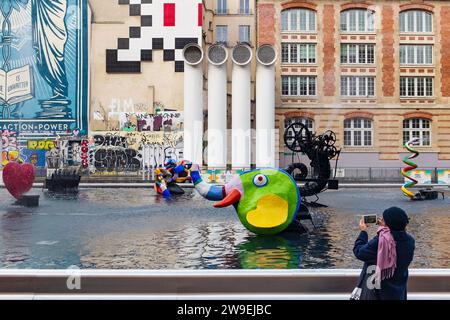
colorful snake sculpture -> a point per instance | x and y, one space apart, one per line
409 166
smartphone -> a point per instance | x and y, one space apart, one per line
370 219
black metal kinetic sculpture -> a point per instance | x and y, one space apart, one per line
320 149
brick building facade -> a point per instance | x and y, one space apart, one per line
377 73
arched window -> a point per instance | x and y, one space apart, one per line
307 122
417 128
357 20
416 21
358 132
295 19
293 132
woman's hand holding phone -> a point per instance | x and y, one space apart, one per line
362 225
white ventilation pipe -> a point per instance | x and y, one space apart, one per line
217 106
266 56
193 103
241 107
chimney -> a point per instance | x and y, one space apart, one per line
266 56
193 103
241 125
217 106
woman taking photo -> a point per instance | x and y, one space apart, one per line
386 258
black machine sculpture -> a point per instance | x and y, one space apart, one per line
320 149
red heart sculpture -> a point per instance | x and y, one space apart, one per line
18 178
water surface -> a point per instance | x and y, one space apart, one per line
134 228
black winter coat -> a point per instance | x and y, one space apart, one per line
394 288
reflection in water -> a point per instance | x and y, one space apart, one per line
64 196
335 237
195 247
432 232
215 245
15 244
133 228
269 252
441 239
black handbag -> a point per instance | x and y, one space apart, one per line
362 291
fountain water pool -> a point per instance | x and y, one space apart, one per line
136 229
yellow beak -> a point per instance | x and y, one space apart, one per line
271 211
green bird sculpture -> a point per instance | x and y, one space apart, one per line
266 200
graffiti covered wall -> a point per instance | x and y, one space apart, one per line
160 138
147 141
31 151
43 67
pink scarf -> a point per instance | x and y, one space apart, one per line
387 254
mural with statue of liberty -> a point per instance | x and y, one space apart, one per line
43 67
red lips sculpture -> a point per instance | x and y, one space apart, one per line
18 178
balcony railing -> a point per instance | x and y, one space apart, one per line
222 11
240 11
245 11
222 42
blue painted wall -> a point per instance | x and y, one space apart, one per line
44 69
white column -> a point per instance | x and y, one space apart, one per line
265 107
241 107
217 106
193 104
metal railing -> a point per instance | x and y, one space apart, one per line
185 284
221 11
369 174
377 174
240 11
245 11
343 174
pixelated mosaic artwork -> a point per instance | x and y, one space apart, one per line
167 26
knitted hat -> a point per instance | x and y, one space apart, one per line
395 218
